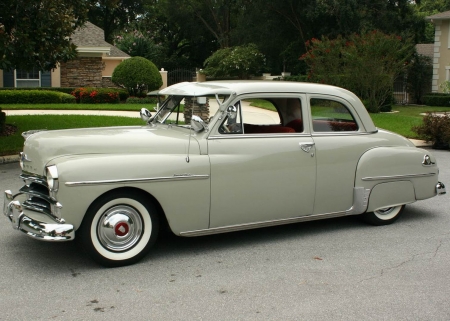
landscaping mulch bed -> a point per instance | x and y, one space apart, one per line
9 130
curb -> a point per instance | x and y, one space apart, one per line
9 159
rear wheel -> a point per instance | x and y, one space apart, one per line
383 216
119 228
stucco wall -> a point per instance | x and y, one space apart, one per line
110 65
441 60
82 72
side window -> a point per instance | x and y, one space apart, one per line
331 116
265 115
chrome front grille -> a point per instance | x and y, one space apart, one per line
38 195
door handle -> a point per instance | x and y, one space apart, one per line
306 147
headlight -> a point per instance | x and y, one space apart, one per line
52 178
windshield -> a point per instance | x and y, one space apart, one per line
178 110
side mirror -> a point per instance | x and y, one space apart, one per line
198 124
145 115
232 112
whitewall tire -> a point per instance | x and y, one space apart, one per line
384 216
119 228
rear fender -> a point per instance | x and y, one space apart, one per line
396 176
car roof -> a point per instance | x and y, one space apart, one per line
239 87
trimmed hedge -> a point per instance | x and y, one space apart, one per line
34 97
66 90
146 100
96 95
437 99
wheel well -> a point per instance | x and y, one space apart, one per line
164 224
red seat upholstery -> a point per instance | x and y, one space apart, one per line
266 129
296 124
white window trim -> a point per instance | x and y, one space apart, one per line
21 79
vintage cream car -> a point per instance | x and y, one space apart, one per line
320 157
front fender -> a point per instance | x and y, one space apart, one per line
181 188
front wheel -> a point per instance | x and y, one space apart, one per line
119 228
383 216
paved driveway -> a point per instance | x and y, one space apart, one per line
338 269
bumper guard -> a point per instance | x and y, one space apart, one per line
13 210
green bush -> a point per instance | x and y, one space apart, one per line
32 97
137 75
299 78
123 94
437 99
96 95
66 90
436 129
240 61
146 100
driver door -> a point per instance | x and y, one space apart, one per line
260 176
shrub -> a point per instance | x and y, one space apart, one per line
123 94
146 100
240 61
437 99
137 75
32 97
366 64
96 95
435 128
66 90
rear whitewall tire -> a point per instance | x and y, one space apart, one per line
383 216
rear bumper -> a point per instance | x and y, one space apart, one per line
34 228
440 188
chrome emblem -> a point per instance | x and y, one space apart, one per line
121 229
427 161
24 157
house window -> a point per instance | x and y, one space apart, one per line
30 78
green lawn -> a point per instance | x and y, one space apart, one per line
11 145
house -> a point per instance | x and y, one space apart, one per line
441 57
94 66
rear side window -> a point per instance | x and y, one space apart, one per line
331 116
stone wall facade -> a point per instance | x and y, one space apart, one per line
82 72
201 110
107 83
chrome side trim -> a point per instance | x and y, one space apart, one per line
377 178
244 136
175 177
248 226
318 134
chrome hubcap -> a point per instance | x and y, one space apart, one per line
120 228
385 211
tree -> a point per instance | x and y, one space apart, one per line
420 73
114 15
239 61
36 33
366 64
137 74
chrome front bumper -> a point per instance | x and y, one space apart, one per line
13 210
440 188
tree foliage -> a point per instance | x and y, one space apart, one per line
37 33
366 64
239 61
114 15
137 75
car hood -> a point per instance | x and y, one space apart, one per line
42 147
